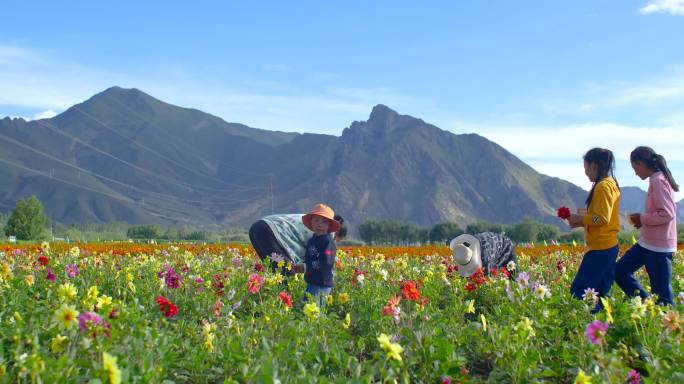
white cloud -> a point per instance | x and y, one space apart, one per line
557 150
673 7
31 80
45 114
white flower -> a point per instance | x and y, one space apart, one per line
590 295
511 266
360 279
384 274
542 292
75 252
680 297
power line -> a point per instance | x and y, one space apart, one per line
153 174
143 146
145 121
80 169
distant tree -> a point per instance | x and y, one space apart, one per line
483 226
547 232
576 235
443 232
525 231
144 232
27 221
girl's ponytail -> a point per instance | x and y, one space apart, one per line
662 166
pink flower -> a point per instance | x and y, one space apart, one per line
255 282
88 321
72 270
50 275
595 331
633 377
217 307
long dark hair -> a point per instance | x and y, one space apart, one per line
342 232
605 165
655 162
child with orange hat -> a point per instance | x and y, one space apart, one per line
319 257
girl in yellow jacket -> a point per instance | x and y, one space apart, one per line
601 225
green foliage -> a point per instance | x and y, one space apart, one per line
27 221
525 231
443 232
483 226
392 232
144 232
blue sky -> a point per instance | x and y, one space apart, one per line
543 79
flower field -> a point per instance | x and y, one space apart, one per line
121 312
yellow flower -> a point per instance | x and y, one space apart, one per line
57 343
5 271
45 246
638 308
329 299
91 296
74 252
470 306
311 310
526 325
393 350
280 264
208 332
110 367
104 301
401 263
672 322
608 309
343 297
67 292
66 316
347 321
484 322
17 316
582 378
29 279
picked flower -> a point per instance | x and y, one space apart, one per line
564 212
393 350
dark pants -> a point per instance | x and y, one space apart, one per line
265 244
596 271
659 269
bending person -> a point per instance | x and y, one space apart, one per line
284 237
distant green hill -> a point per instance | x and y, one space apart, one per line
123 155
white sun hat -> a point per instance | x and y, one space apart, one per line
465 250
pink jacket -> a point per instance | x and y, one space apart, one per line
659 221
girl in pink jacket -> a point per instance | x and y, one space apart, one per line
658 230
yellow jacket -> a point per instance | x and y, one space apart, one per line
602 221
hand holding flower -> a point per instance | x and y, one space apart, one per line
635 218
575 220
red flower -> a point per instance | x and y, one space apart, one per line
286 299
564 212
470 287
43 260
258 267
505 272
410 291
168 308
255 282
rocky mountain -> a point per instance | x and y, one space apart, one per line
124 155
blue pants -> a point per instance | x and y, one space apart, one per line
596 271
318 292
659 269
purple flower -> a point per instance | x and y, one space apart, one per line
633 377
50 275
172 279
72 270
88 321
446 380
595 331
523 279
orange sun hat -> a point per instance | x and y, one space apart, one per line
324 211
